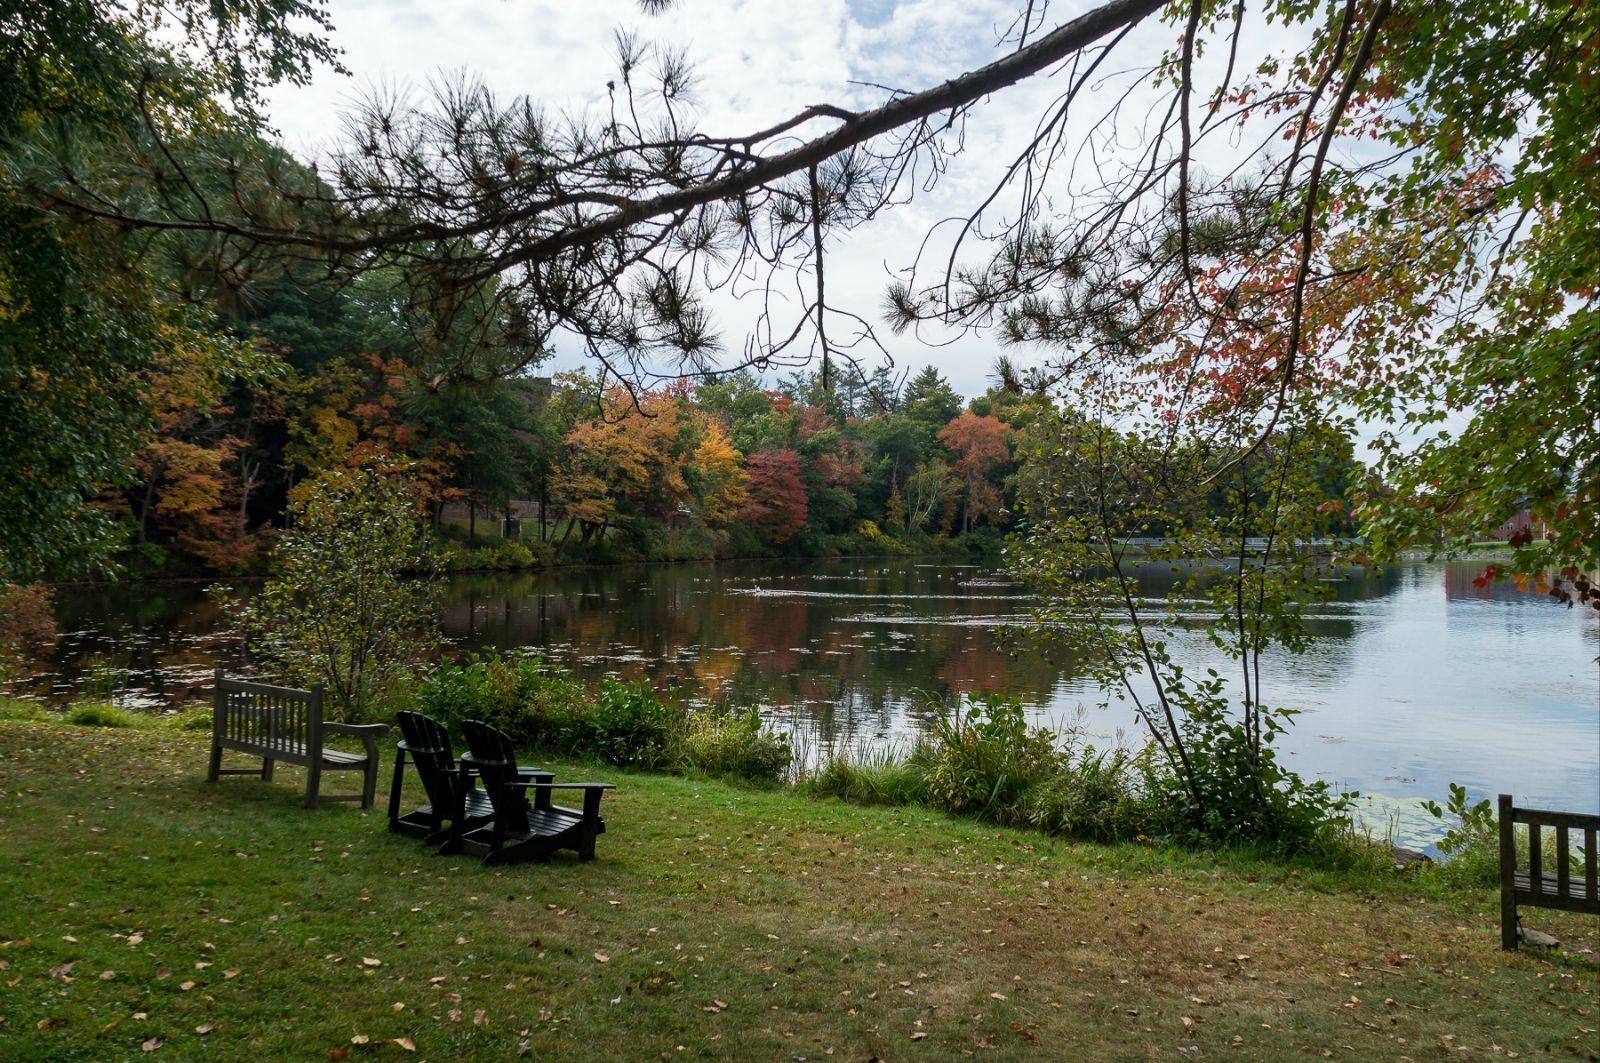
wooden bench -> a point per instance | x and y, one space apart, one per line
1536 887
283 723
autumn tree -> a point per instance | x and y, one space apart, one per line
776 502
981 446
624 464
716 475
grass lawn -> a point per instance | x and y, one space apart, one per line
145 914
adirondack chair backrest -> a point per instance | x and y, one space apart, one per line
496 761
270 717
429 745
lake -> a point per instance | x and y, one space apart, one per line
1417 678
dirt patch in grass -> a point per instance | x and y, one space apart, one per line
141 907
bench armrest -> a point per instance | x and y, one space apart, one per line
369 733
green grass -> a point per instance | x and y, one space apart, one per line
140 905
101 714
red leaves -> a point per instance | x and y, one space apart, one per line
777 498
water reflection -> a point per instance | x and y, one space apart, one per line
1418 677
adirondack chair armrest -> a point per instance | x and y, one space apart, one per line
592 792
369 733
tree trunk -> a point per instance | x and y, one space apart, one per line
144 507
544 503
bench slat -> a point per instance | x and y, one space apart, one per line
1549 818
1544 894
1535 855
1563 861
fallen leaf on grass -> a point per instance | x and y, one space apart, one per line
404 1042
205 1028
371 962
150 1045
359 1039
602 957
339 1053
919 1035
185 986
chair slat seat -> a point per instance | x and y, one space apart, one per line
296 753
1550 893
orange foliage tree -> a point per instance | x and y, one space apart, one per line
982 446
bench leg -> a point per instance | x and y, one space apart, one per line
369 783
266 769
215 767
313 782
1508 873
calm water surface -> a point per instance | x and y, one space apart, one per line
1417 679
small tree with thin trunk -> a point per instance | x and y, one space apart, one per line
351 603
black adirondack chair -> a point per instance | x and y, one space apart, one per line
426 742
518 829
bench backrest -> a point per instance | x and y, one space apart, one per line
263 716
1553 888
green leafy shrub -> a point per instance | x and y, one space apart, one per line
543 707
735 744
1471 845
538 703
630 725
1244 793
100 714
350 605
987 759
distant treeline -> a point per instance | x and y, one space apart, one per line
734 466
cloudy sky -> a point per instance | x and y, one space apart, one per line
758 61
